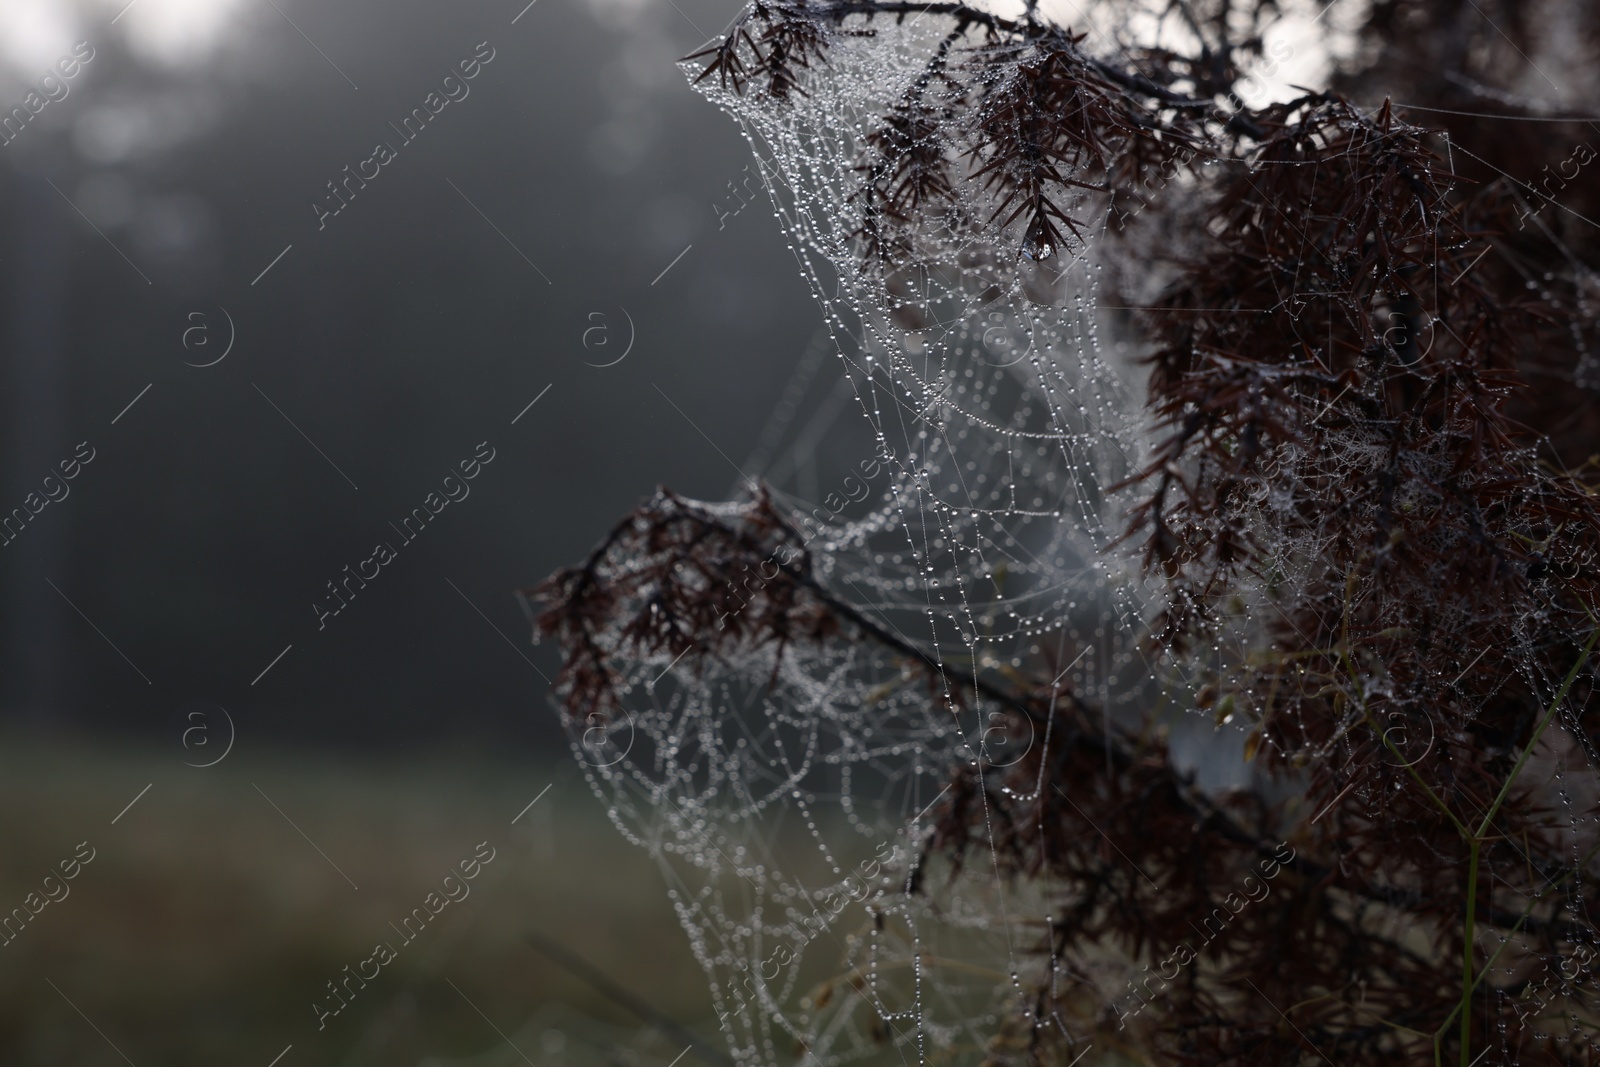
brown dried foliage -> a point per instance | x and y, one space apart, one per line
1369 385
671 577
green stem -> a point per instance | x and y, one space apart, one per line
1466 952
1577 868
1527 751
1475 843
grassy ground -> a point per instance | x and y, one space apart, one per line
207 925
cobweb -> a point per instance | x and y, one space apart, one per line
785 800
787 794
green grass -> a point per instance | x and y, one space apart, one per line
206 925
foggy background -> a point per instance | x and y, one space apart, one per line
502 253
264 391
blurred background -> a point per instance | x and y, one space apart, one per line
257 344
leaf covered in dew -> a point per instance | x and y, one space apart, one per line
1195 414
